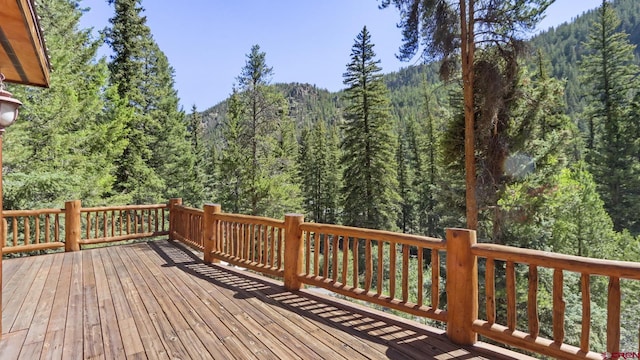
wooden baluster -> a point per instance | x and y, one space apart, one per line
356 270
435 278
120 223
558 306
113 223
27 231
47 230
173 218
135 222
420 300
272 247
37 225
316 254
280 250
490 289
88 226
97 234
511 296
293 251
334 257
149 220
325 242
345 258
380 277
613 315
392 270
405 273
104 224
56 228
462 286
5 229
14 223
307 246
368 265
532 302
585 290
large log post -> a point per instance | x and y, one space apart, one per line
462 286
211 230
172 218
293 251
72 225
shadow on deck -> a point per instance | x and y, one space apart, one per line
159 300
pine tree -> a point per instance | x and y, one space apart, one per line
446 28
258 169
68 136
370 183
194 129
609 72
129 38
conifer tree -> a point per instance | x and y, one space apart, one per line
258 161
68 136
609 72
370 183
194 129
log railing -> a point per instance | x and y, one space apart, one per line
530 339
363 264
32 230
397 271
27 231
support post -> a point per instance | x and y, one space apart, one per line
211 231
72 225
462 286
172 218
293 251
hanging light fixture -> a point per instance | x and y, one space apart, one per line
8 106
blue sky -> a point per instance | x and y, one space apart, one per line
306 41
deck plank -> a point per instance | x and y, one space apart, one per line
151 342
38 328
54 337
73 345
92 327
158 300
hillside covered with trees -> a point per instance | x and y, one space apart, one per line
556 152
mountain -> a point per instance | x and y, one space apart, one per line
562 46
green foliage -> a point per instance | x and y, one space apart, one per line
369 192
258 168
68 136
609 76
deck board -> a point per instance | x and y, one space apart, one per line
157 300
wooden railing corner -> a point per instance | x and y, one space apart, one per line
462 286
72 225
211 231
293 251
172 222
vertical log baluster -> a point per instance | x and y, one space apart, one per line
613 315
532 302
435 278
511 296
316 254
14 223
37 232
420 299
47 228
345 258
307 246
558 306
355 262
585 290
490 289
405 273
392 269
56 228
334 257
380 276
27 231
368 265
325 244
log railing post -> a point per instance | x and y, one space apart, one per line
72 225
211 230
462 286
172 217
293 251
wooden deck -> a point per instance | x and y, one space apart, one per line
157 300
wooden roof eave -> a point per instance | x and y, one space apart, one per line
23 55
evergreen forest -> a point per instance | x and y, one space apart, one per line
557 138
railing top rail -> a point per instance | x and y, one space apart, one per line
124 207
14 213
622 269
189 210
249 219
409 239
